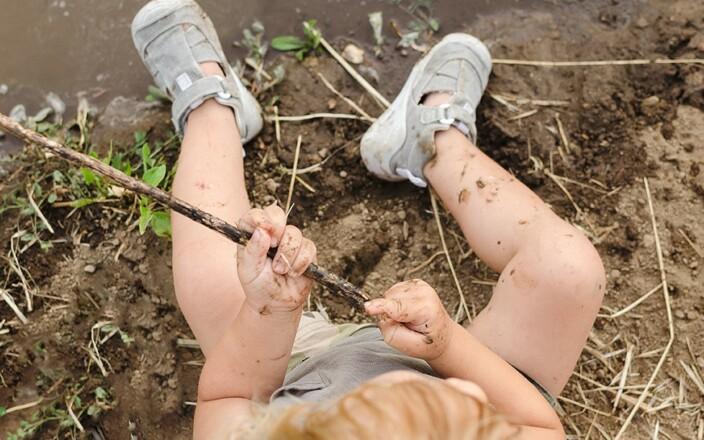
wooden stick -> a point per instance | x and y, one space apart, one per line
336 284
363 82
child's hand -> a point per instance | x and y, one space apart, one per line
274 285
413 319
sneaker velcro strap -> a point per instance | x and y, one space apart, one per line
453 114
194 93
445 114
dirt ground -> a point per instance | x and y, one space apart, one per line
623 124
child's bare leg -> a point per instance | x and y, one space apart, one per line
552 279
210 175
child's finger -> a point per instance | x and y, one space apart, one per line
288 249
399 336
277 217
252 260
256 218
306 255
399 309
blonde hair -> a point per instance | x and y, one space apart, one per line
411 409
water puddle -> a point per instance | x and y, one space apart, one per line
83 48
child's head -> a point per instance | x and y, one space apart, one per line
394 406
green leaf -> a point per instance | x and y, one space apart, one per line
161 223
3 411
140 137
287 43
80 203
434 24
93 410
89 176
52 198
146 156
155 175
101 394
145 216
301 54
312 33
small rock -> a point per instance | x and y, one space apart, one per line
692 315
89 268
615 274
18 113
401 215
370 73
641 23
650 102
679 314
343 174
56 103
323 153
353 54
694 264
4 89
332 104
271 185
143 268
697 42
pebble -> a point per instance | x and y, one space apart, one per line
271 185
343 174
56 103
615 274
4 89
641 23
323 153
332 104
89 268
679 314
18 113
401 215
692 315
353 54
369 72
693 265
143 268
650 101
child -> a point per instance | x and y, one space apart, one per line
418 374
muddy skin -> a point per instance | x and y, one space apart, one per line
620 143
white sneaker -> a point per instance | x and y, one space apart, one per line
173 37
399 144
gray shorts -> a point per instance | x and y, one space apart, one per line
316 334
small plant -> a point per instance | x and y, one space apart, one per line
154 94
153 173
301 46
253 40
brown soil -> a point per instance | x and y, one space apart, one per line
375 233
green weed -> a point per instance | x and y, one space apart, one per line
301 46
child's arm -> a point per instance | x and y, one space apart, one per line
509 392
414 321
250 359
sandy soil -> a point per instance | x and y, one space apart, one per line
624 123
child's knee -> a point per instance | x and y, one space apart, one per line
572 269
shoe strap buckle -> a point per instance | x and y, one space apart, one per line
445 117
